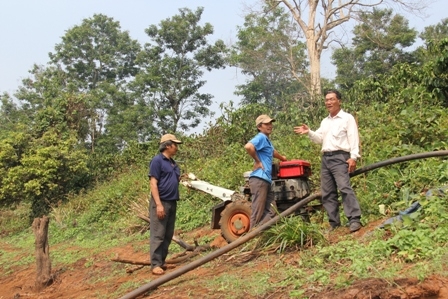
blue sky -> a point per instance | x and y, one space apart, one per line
29 30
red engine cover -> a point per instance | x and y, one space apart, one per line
294 168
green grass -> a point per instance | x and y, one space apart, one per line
85 228
14 219
254 284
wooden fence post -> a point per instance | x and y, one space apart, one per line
42 253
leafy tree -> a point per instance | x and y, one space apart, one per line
48 102
11 114
132 123
47 170
44 158
172 65
98 59
430 35
269 53
426 82
96 51
378 44
66 107
435 32
437 70
318 20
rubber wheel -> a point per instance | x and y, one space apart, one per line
235 220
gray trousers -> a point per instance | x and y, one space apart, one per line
334 176
161 231
262 199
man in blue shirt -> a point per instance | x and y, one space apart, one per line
164 182
262 151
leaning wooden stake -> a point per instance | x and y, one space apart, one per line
42 253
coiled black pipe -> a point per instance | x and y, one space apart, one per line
193 265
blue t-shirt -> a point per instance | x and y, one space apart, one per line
167 174
265 152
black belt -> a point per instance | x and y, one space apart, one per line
335 153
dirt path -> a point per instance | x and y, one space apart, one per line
98 277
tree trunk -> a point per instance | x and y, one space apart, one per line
42 253
315 76
314 56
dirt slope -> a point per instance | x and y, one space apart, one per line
99 277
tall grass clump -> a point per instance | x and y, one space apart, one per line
291 233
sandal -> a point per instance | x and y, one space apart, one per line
167 266
158 271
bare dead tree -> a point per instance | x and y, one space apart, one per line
42 253
318 22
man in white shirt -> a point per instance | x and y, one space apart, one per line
338 134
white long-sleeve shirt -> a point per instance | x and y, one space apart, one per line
338 133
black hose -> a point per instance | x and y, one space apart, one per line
193 265
241 240
399 160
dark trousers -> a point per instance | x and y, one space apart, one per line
262 199
161 231
334 176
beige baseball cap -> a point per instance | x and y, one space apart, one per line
263 119
169 137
